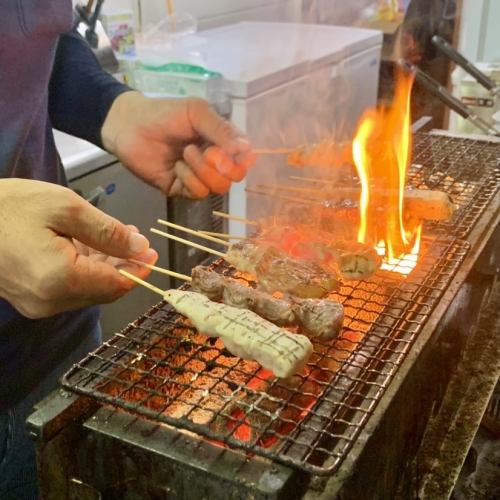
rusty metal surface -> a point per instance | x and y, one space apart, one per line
162 370
450 434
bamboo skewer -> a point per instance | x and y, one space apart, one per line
170 7
170 11
162 270
224 235
282 197
278 187
309 179
194 232
235 217
153 288
187 242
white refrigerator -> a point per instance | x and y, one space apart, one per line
292 84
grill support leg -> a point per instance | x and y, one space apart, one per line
449 435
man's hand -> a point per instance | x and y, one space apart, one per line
181 146
45 265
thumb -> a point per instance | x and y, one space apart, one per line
98 230
212 127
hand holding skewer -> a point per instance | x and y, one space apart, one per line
323 154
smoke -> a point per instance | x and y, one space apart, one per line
338 12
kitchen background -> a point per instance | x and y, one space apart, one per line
290 73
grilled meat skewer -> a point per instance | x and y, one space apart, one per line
320 318
244 333
277 271
353 260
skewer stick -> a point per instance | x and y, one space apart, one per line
279 187
308 179
153 288
200 234
248 222
170 7
187 242
282 196
161 270
224 235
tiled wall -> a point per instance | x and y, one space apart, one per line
212 13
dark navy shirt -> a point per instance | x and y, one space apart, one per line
48 78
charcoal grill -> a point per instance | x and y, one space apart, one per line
159 377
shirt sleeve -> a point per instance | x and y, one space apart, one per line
80 92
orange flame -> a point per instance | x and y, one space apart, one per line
381 152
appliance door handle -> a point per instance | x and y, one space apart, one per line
459 59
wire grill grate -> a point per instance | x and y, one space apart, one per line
161 368
468 170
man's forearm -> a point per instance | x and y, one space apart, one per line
81 92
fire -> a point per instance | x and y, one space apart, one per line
381 152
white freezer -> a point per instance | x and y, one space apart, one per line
292 84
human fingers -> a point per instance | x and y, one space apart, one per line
100 282
224 164
192 186
89 225
212 127
83 282
150 256
206 170
245 159
176 189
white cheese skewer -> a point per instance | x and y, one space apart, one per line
244 333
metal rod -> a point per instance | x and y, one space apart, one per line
450 100
459 59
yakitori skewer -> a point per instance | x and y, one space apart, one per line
223 215
162 270
194 232
293 189
308 179
320 317
325 153
143 283
243 332
421 203
187 242
275 270
273 194
223 235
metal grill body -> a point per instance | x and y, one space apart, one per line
162 370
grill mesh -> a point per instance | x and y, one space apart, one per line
160 368
468 170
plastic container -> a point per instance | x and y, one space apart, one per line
178 79
173 40
119 26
